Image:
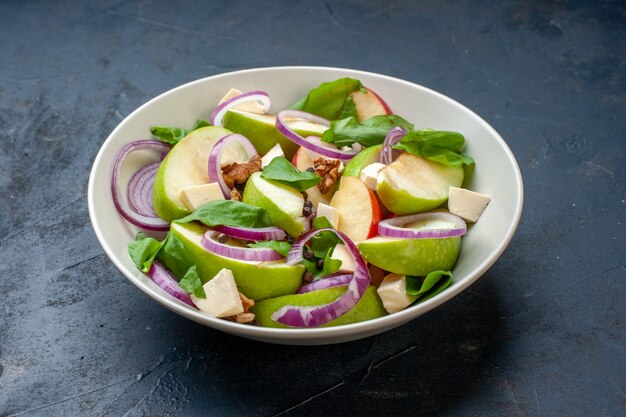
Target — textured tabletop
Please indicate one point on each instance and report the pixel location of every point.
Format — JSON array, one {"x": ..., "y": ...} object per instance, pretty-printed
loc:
[{"x": 542, "y": 333}]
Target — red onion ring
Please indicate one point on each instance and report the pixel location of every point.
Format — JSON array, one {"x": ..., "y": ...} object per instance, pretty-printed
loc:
[
  {"x": 140, "y": 190},
  {"x": 260, "y": 96},
  {"x": 140, "y": 220},
  {"x": 161, "y": 277},
  {"x": 247, "y": 233},
  {"x": 324, "y": 283},
  {"x": 312, "y": 143},
  {"x": 315, "y": 316},
  {"x": 395, "y": 227},
  {"x": 209, "y": 242},
  {"x": 393, "y": 137},
  {"x": 215, "y": 157}
]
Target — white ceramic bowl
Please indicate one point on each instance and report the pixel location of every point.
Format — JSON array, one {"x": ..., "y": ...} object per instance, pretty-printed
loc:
[{"x": 497, "y": 174}]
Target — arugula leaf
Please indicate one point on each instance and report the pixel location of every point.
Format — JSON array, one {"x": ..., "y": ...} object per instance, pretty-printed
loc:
[
  {"x": 229, "y": 213},
  {"x": 173, "y": 135},
  {"x": 321, "y": 223},
  {"x": 281, "y": 170},
  {"x": 432, "y": 285},
  {"x": 174, "y": 256},
  {"x": 279, "y": 246},
  {"x": 322, "y": 242},
  {"x": 143, "y": 251},
  {"x": 436, "y": 145},
  {"x": 348, "y": 109},
  {"x": 369, "y": 132},
  {"x": 192, "y": 283},
  {"x": 329, "y": 100},
  {"x": 330, "y": 265}
]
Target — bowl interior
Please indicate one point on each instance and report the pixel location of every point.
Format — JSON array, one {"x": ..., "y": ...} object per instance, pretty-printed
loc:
[{"x": 496, "y": 174}]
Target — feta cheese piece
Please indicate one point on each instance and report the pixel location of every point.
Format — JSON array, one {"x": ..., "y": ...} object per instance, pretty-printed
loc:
[
  {"x": 392, "y": 292},
  {"x": 331, "y": 213},
  {"x": 275, "y": 152},
  {"x": 197, "y": 195},
  {"x": 250, "y": 106},
  {"x": 222, "y": 297},
  {"x": 341, "y": 252},
  {"x": 369, "y": 174},
  {"x": 467, "y": 204}
]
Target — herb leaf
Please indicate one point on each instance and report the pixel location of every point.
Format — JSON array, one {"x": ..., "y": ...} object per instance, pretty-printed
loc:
[
  {"x": 173, "y": 135},
  {"x": 279, "y": 246},
  {"x": 192, "y": 283},
  {"x": 329, "y": 100},
  {"x": 322, "y": 242},
  {"x": 321, "y": 222},
  {"x": 330, "y": 265},
  {"x": 143, "y": 251},
  {"x": 436, "y": 145},
  {"x": 281, "y": 170},
  {"x": 229, "y": 213},
  {"x": 433, "y": 284},
  {"x": 174, "y": 256},
  {"x": 369, "y": 132}
]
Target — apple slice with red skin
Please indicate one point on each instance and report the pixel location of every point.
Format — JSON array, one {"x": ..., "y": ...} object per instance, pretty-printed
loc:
[
  {"x": 303, "y": 159},
  {"x": 369, "y": 104},
  {"x": 359, "y": 211}
]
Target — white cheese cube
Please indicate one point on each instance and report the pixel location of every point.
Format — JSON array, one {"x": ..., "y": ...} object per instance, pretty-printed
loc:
[
  {"x": 341, "y": 252},
  {"x": 222, "y": 297},
  {"x": 331, "y": 213},
  {"x": 275, "y": 152},
  {"x": 467, "y": 204},
  {"x": 392, "y": 292},
  {"x": 250, "y": 106},
  {"x": 197, "y": 195},
  {"x": 369, "y": 174}
]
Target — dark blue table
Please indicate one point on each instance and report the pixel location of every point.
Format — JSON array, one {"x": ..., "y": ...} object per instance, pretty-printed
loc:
[{"x": 543, "y": 333}]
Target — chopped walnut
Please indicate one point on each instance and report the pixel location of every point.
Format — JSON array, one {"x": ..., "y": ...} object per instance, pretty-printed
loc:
[
  {"x": 246, "y": 316},
  {"x": 328, "y": 169},
  {"x": 239, "y": 173},
  {"x": 246, "y": 302},
  {"x": 235, "y": 194}
]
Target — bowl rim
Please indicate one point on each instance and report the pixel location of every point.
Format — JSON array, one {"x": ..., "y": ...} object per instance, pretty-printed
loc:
[{"x": 386, "y": 322}]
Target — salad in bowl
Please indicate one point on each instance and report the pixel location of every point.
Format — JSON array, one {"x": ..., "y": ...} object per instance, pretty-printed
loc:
[
  {"x": 303, "y": 205},
  {"x": 330, "y": 211}
]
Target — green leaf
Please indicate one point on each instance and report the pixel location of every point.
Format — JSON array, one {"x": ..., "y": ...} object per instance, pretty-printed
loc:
[
  {"x": 192, "y": 283},
  {"x": 173, "y": 135},
  {"x": 143, "y": 251},
  {"x": 439, "y": 146},
  {"x": 310, "y": 266},
  {"x": 279, "y": 246},
  {"x": 322, "y": 223},
  {"x": 328, "y": 100},
  {"x": 229, "y": 213},
  {"x": 281, "y": 170},
  {"x": 330, "y": 265},
  {"x": 349, "y": 109},
  {"x": 174, "y": 256},
  {"x": 433, "y": 284},
  {"x": 368, "y": 133}
]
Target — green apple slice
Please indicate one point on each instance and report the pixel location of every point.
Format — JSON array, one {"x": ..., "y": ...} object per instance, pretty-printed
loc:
[
  {"x": 364, "y": 158},
  {"x": 283, "y": 203},
  {"x": 261, "y": 130},
  {"x": 411, "y": 256},
  {"x": 369, "y": 306},
  {"x": 412, "y": 184},
  {"x": 256, "y": 280},
  {"x": 185, "y": 165}
]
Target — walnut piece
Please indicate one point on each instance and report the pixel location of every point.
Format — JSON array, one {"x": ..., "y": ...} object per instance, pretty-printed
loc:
[
  {"x": 235, "y": 194},
  {"x": 246, "y": 316},
  {"x": 239, "y": 173},
  {"x": 328, "y": 169}
]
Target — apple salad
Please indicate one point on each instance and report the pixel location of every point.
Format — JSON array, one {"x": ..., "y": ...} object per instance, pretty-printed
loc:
[{"x": 330, "y": 212}]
